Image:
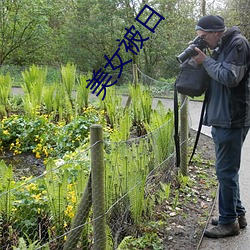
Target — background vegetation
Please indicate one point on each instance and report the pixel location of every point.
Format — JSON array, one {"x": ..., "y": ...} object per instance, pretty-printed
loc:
[{"x": 49, "y": 32}]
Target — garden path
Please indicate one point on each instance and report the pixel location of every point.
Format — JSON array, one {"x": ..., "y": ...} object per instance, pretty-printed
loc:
[{"x": 241, "y": 242}]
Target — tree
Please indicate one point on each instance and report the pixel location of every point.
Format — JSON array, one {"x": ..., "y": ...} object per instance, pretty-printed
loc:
[
  {"x": 236, "y": 13},
  {"x": 21, "y": 21}
]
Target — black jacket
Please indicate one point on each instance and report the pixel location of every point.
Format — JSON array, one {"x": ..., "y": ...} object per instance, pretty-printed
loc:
[{"x": 229, "y": 90}]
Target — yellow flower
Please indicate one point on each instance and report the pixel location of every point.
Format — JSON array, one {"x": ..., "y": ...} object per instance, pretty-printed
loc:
[
  {"x": 73, "y": 199},
  {"x": 14, "y": 209},
  {"x": 31, "y": 187},
  {"x": 37, "y": 196},
  {"x": 6, "y": 132},
  {"x": 69, "y": 211},
  {"x": 38, "y": 155}
]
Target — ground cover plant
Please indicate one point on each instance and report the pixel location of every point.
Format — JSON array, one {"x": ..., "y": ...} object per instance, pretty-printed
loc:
[{"x": 143, "y": 189}]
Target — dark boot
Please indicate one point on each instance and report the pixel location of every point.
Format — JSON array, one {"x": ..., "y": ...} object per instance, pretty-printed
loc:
[
  {"x": 221, "y": 231},
  {"x": 241, "y": 219}
]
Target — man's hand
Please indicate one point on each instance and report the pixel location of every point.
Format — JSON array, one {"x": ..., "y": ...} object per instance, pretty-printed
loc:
[{"x": 200, "y": 58}]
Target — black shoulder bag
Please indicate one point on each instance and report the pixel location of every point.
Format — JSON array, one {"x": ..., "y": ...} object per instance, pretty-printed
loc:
[{"x": 191, "y": 81}]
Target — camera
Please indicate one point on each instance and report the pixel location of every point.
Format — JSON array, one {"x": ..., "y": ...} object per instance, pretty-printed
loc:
[{"x": 190, "y": 51}]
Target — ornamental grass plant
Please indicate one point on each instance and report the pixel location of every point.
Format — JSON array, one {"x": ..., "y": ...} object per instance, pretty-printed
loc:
[{"x": 54, "y": 126}]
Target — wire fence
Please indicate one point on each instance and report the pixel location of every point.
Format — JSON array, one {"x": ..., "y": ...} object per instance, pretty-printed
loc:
[
  {"x": 55, "y": 210},
  {"x": 42, "y": 209}
]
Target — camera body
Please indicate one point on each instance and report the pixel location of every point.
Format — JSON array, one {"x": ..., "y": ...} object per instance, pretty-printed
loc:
[{"x": 190, "y": 51}]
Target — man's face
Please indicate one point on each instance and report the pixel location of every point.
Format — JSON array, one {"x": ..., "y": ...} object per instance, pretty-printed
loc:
[{"x": 211, "y": 38}]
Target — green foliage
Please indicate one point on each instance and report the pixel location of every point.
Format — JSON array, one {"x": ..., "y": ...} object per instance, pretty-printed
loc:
[
  {"x": 6, "y": 184},
  {"x": 48, "y": 98},
  {"x": 126, "y": 172},
  {"x": 112, "y": 106},
  {"x": 147, "y": 241},
  {"x": 68, "y": 73},
  {"x": 5, "y": 90},
  {"x": 128, "y": 161},
  {"x": 141, "y": 104},
  {"x": 43, "y": 137},
  {"x": 57, "y": 188},
  {"x": 23, "y": 25},
  {"x": 30, "y": 206},
  {"x": 29, "y": 245},
  {"x": 82, "y": 98},
  {"x": 33, "y": 85},
  {"x": 164, "y": 191},
  {"x": 161, "y": 126}
]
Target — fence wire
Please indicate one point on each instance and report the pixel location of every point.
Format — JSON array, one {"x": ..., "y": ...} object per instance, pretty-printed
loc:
[{"x": 44, "y": 210}]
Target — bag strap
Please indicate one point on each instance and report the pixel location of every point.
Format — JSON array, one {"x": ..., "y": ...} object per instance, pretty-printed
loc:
[
  {"x": 199, "y": 127},
  {"x": 176, "y": 126}
]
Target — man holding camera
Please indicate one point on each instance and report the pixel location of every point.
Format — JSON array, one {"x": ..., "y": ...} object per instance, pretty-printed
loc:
[{"x": 228, "y": 112}]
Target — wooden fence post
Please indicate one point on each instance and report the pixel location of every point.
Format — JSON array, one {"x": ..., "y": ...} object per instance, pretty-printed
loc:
[
  {"x": 135, "y": 74},
  {"x": 98, "y": 195},
  {"x": 184, "y": 135}
]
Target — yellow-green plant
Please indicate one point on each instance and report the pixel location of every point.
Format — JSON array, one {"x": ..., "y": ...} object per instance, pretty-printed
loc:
[
  {"x": 62, "y": 106},
  {"x": 126, "y": 171},
  {"x": 141, "y": 103},
  {"x": 164, "y": 191},
  {"x": 48, "y": 97},
  {"x": 33, "y": 85},
  {"x": 68, "y": 74},
  {"x": 82, "y": 93},
  {"x": 112, "y": 106},
  {"x": 121, "y": 131},
  {"x": 5, "y": 89},
  {"x": 56, "y": 184},
  {"x": 6, "y": 184},
  {"x": 161, "y": 129}
]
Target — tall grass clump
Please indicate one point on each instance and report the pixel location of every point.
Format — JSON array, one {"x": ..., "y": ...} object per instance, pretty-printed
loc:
[
  {"x": 5, "y": 90},
  {"x": 141, "y": 106},
  {"x": 68, "y": 74},
  {"x": 82, "y": 93},
  {"x": 161, "y": 130},
  {"x": 34, "y": 80}
]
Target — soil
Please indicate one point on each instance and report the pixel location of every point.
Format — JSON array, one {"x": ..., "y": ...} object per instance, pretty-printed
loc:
[
  {"x": 186, "y": 223},
  {"x": 25, "y": 164}
]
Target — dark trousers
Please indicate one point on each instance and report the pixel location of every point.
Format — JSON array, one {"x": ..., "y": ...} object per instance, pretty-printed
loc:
[{"x": 228, "y": 145}]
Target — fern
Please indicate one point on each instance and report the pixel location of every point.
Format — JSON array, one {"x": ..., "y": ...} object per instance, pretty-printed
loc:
[
  {"x": 6, "y": 184},
  {"x": 68, "y": 74},
  {"x": 56, "y": 184}
]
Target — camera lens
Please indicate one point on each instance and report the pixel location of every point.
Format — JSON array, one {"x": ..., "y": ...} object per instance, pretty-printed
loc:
[{"x": 187, "y": 53}]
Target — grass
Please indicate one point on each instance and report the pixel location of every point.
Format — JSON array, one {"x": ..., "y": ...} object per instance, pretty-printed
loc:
[{"x": 15, "y": 71}]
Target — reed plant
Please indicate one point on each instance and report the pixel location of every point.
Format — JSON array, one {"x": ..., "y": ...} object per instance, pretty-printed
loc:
[
  {"x": 34, "y": 80},
  {"x": 161, "y": 130},
  {"x": 126, "y": 172},
  {"x": 48, "y": 98},
  {"x": 68, "y": 74},
  {"x": 141, "y": 99},
  {"x": 56, "y": 184},
  {"x": 62, "y": 106},
  {"x": 5, "y": 90},
  {"x": 112, "y": 105},
  {"x": 82, "y": 93},
  {"x": 6, "y": 184}
]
